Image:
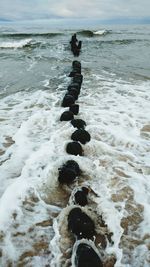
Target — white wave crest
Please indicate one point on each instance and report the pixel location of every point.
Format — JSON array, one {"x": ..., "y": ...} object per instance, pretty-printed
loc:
[
  {"x": 15, "y": 44},
  {"x": 101, "y": 32}
]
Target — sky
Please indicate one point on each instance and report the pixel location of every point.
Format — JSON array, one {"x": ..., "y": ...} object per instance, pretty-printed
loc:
[{"x": 76, "y": 9}]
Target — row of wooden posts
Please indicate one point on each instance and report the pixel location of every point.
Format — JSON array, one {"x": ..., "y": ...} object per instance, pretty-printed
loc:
[{"x": 79, "y": 223}]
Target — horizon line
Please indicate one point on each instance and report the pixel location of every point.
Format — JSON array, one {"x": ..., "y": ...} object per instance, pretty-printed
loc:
[{"x": 144, "y": 20}]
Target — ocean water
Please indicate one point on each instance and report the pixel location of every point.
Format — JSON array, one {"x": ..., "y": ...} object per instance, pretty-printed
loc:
[{"x": 115, "y": 103}]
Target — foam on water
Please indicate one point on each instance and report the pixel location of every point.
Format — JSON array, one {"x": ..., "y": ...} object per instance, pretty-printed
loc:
[
  {"x": 101, "y": 32},
  {"x": 15, "y": 44},
  {"x": 114, "y": 166}
]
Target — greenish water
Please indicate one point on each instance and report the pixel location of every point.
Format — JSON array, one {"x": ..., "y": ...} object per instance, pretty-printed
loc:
[{"x": 28, "y": 51}]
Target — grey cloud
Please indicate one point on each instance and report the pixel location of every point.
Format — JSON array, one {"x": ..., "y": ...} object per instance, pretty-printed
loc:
[
  {"x": 100, "y": 9},
  {"x": 103, "y": 9}
]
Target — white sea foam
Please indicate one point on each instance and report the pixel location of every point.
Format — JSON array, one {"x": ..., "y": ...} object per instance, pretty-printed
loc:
[
  {"x": 101, "y": 32},
  {"x": 15, "y": 44}
]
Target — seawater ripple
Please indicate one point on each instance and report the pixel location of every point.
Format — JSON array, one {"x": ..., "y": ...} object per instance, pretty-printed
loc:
[{"x": 28, "y": 35}]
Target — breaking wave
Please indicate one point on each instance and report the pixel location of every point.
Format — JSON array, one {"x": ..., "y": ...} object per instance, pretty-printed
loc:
[
  {"x": 15, "y": 44},
  {"x": 101, "y": 32},
  {"x": 89, "y": 33},
  {"x": 25, "y": 43}
]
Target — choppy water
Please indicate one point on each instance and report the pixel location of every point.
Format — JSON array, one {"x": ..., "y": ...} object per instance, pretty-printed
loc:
[{"x": 114, "y": 102}]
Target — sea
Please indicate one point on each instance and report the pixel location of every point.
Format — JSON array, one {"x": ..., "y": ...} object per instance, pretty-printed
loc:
[{"x": 35, "y": 62}]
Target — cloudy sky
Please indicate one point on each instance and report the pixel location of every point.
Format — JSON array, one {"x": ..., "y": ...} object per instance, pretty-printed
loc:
[{"x": 98, "y": 9}]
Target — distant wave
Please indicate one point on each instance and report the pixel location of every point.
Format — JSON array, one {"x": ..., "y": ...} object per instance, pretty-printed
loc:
[
  {"x": 122, "y": 41},
  {"x": 89, "y": 33},
  {"x": 15, "y": 44},
  {"x": 101, "y": 32},
  {"x": 29, "y": 35},
  {"x": 86, "y": 33}
]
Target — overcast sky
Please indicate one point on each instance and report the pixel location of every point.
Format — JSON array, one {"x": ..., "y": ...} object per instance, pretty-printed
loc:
[{"x": 98, "y": 9}]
